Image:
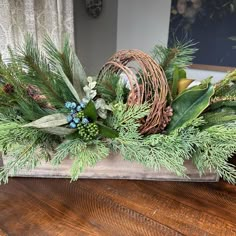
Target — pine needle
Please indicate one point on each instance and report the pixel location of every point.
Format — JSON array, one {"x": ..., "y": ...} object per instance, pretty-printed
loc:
[{"x": 180, "y": 55}]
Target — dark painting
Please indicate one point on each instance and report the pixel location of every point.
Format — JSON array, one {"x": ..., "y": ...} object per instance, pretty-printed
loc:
[{"x": 211, "y": 24}]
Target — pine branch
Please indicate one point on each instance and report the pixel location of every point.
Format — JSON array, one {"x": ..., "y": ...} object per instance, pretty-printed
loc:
[
  {"x": 39, "y": 71},
  {"x": 63, "y": 57},
  {"x": 178, "y": 56},
  {"x": 69, "y": 63}
]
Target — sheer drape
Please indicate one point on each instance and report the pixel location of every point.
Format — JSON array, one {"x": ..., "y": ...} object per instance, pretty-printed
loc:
[{"x": 38, "y": 17}]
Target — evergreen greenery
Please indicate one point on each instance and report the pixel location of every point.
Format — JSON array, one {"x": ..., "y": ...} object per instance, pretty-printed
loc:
[
  {"x": 37, "y": 84},
  {"x": 25, "y": 147},
  {"x": 178, "y": 56},
  {"x": 214, "y": 147},
  {"x": 83, "y": 154}
]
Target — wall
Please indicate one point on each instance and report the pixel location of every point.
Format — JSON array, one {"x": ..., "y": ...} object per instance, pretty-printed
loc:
[
  {"x": 142, "y": 24},
  {"x": 95, "y": 39}
]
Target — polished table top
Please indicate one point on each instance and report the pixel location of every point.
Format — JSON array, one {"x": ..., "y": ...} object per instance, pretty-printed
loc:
[{"x": 30, "y": 206}]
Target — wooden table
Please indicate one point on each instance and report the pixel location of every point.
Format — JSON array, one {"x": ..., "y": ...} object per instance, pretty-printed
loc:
[{"x": 116, "y": 207}]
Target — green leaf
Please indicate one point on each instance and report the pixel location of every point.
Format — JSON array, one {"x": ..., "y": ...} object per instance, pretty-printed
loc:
[
  {"x": 175, "y": 83},
  {"x": 190, "y": 104},
  {"x": 177, "y": 75},
  {"x": 48, "y": 121},
  {"x": 107, "y": 132},
  {"x": 68, "y": 83},
  {"x": 90, "y": 111},
  {"x": 182, "y": 74}
]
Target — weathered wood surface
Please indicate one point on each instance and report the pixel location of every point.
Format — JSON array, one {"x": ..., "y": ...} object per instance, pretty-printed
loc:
[
  {"x": 115, "y": 167},
  {"x": 49, "y": 207}
]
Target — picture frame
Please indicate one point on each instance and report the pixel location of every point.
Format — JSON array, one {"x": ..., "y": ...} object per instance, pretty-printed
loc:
[{"x": 209, "y": 25}]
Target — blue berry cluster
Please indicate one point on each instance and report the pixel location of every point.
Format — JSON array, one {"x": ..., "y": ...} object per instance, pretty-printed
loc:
[
  {"x": 77, "y": 120},
  {"x": 76, "y": 114}
]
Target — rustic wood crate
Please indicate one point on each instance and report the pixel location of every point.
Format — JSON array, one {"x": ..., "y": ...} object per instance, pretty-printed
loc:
[{"x": 115, "y": 167}]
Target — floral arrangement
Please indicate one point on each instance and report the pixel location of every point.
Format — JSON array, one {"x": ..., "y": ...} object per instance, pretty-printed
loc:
[{"x": 143, "y": 107}]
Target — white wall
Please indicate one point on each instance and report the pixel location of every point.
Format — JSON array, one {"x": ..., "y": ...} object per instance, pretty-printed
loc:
[
  {"x": 143, "y": 23},
  {"x": 95, "y": 39}
]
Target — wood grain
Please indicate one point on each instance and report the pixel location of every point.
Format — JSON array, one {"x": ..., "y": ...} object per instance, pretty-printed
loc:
[
  {"x": 115, "y": 167},
  {"x": 41, "y": 207}
]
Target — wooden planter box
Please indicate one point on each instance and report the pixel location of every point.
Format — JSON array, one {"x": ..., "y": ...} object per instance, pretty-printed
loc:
[{"x": 114, "y": 167}]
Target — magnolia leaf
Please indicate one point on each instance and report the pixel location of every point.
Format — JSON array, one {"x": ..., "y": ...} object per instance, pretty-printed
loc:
[
  {"x": 49, "y": 121},
  {"x": 174, "y": 86},
  {"x": 177, "y": 75},
  {"x": 190, "y": 104},
  {"x": 107, "y": 132},
  {"x": 68, "y": 83},
  {"x": 90, "y": 111},
  {"x": 60, "y": 131},
  {"x": 182, "y": 74}
]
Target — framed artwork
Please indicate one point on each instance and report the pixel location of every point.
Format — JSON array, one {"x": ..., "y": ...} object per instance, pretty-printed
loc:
[{"x": 211, "y": 24}]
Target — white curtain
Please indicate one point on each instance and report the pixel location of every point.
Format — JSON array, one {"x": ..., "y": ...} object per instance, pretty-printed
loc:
[{"x": 38, "y": 17}]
